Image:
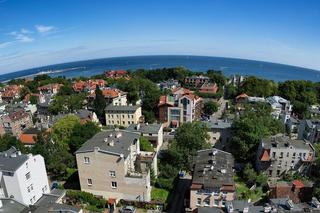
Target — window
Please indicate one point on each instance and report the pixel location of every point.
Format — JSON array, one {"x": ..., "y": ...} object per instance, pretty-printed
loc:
[
  {"x": 86, "y": 160},
  {"x": 270, "y": 172},
  {"x": 28, "y": 188},
  {"x": 273, "y": 154},
  {"x": 31, "y": 200},
  {"x": 278, "y": 172},
  {"x": 281, "y": 154},
  {"x": 31, "y": 187},
  {"x": 112, "y": 173},
  {"x": 27, "y": 165},
  {"x": 89, "y": 182},
  {"x": 287, "y": 154},
  {"x": 294, "y": 155},
  {"x": 28, "y": 176},
  {"x": 216, "y": 202},
  {"x": 206, "y": 202},
  {"x": 113, "y": 184},
  {"x": 198, "y": 201}
]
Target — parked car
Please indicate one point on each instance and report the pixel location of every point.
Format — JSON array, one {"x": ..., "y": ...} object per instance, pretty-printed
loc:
[
  {"x": 128, "y": 209},
  {"x": 54, "y": 185}
]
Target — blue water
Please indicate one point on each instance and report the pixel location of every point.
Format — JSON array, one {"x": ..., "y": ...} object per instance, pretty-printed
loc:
[{"x": 276, "y": 72}]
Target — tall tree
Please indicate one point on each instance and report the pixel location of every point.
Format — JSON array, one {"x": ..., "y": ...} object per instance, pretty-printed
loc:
[
  {"x": 189, "y": 138},
  {"x": 99, "y": 104}
]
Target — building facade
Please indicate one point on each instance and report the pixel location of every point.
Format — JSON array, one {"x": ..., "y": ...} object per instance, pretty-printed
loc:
[
  {"x": 182, "y": 106},
  {"x": 279, "y": 154},
  {"x": 309, "y": 129},
  {"x": 16, "y": 122},
  {"x": 123, "y": 115},
  {"x": 23, "y": 176},
  {"x": 196, "y": 81},
  {"x": 107, "y": 165}
]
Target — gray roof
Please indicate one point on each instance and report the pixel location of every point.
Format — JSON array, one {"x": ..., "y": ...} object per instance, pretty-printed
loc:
[
  {"x": 83, "y": 113},
  {"x": 239, "y": 205},
  {"x": 218, "y": 124},
  {"x": 281, "y": 141},
  {"x": 10, "y": 205},
  {"x": 209, "y": 210},
  {"x": 132, "y": 108},
  {"x": 48, "y": 202},
  {"x": 213, "y": 169},
  {"x": 11, "y": 159},
  {"x": 145, "y": 128},
  {"x": 121, "y": 144}
]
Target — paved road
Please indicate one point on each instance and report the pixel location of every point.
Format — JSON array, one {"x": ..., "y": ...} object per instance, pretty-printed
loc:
[
  {"x": 222, "y": 102},
  {"x": 176, "y": 201}
]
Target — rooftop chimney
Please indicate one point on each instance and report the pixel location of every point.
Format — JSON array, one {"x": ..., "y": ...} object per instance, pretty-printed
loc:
[
  {"x": 315, "y": 202},
  {"x": 289, "y": 204},
  {"x": 246, "y": 209}
]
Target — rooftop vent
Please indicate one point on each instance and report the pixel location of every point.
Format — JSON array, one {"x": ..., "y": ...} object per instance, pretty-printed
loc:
[
  {"x": 223, "y": 171},
  {"x": 105, "y": 140},
  {"x": 289, "y": 204},
  {"x": 214, "y": 152},
  {"x": 13, "y": 155},
  {"x": 267, "y": 209},
  {"x": 111, "y": 143},
  {"x": 246, "y": 209},
  {"x": 118, "y": 135},
  {"x": 230, "y": 207},
  {"x": 137, "y": 127},
  {"x": 110, "y": 135}
]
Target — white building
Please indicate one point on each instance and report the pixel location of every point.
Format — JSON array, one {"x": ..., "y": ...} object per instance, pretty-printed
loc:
[
  {"x": 281, "y": 108},
  {"x": 23, "y": 176}
]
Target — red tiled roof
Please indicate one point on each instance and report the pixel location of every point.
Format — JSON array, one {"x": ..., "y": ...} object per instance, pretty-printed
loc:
[
  {"x": 298, "y": 183},
  {"x": 27, "y": 138},
  {"x": 265, "y": 156},
  {"x": 17, "y": 115},
  {"x": 196, "y": 186},
  {"x": 243, "y": 95},
  {"x": 50, "y": 86}
]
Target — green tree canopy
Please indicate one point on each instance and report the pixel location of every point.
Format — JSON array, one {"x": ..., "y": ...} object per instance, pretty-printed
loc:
[
  {"x": 145, "y": 144},
  {"x": 255, "y": 123},
  {"x": 99, "y": 104},
  {"x": 63, "y": 130},
  {"x": 210, "y": 107},
  {"x": 189, "y": 138}
]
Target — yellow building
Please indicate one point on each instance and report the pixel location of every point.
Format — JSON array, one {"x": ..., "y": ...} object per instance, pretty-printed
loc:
[{"x": 123, "y": 115}]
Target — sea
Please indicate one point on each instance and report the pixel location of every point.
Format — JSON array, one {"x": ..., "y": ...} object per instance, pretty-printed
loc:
[{"x": 229, "y": 66}]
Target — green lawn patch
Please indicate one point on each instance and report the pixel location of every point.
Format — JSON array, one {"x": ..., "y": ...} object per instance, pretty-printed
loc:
[{"x": 159, "y": 194}]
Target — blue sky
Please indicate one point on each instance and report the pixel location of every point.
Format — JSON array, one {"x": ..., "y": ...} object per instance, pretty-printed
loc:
[{"x": 36, "y": 33}]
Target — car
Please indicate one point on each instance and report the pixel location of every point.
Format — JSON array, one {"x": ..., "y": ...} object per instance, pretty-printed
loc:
[
  {"x": 54, "y": 185},
  {"x": 128, "y": 209}
]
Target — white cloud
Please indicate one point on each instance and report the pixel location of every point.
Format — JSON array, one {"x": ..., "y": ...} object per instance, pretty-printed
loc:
[
  {"x": 6, "y": 44},
  {"x": 25, "y": 31},
  {"x": 24, "y": 38},
  {"x": 42, "y": 29}
]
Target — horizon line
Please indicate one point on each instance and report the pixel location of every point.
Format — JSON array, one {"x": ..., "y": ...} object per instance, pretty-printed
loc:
[{"x": 155, "y": 55}]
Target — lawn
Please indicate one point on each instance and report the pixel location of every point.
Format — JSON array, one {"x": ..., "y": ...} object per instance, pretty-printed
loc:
[
  {"x": 159, "y": 194},
  {"x": 243, "y": 192}
]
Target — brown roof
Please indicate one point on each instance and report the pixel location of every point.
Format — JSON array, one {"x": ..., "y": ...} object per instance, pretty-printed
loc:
[
  {"x": 50, "y": 86},
  {"x": 27, "y": 138},
  {"x": 109, "y": 93},
  {"x": 265, "y": 156},
  {"x": 242, "y": 95},
  {"x": 17, "y": 115},
  {"x": 196, "y": 186},
  {"x": 298, "y": 183}
]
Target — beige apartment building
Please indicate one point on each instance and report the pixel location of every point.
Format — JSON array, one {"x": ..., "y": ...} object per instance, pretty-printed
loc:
[
  {"x": 109, "y": 165},
  {"x": 123, "y": 115}
]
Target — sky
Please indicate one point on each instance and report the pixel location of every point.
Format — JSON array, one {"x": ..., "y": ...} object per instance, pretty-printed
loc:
[{"x": 35, "y": 33}]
